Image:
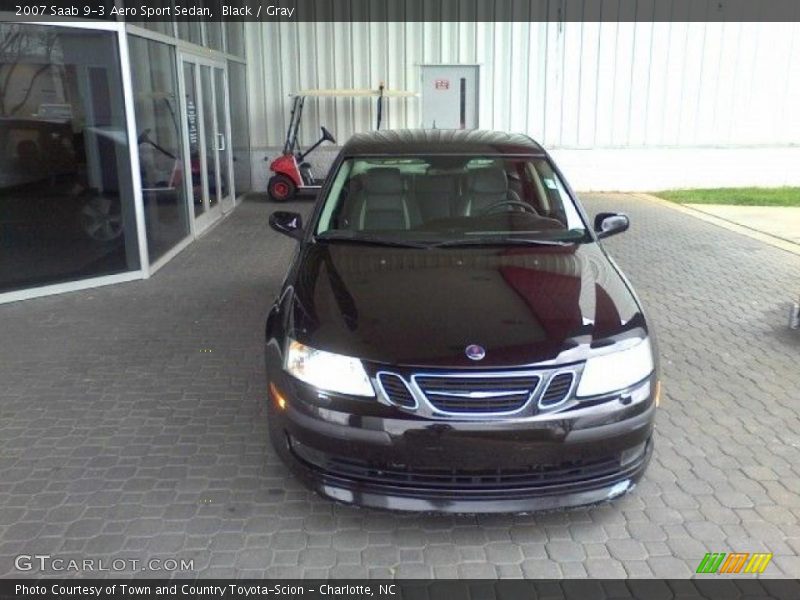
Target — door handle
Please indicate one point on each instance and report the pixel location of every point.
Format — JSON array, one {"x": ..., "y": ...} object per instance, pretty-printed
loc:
[{"x": 220, "y": 142}]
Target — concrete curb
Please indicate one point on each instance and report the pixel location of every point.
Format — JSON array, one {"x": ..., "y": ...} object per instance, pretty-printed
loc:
[{"x": 725, "y": 224}]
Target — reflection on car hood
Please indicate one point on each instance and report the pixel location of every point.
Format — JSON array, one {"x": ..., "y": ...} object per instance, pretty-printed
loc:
[{"x": 423, "y": 307}]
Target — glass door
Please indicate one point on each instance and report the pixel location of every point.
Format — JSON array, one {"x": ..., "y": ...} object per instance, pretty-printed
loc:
[
  {"x": 205, "y": 106},
  {"x": 225, "y": 162},
  {"x": 195, "y": 147}
]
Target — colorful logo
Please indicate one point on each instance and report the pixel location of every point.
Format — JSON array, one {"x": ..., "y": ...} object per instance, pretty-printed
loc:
[{"x": 735, "y": 562}]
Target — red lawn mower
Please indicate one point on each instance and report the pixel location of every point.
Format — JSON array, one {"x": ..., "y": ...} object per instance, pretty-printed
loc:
[{"x": 292, "y": 174}]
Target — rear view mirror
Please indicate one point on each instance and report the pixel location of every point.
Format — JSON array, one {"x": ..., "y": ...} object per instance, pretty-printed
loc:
[
  {"x": 607, "y": 224},
  {"x": 287, "y": 223}
]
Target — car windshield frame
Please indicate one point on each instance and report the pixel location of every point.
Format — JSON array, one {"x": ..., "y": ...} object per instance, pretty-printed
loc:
[{"x": 578, "y": 231}]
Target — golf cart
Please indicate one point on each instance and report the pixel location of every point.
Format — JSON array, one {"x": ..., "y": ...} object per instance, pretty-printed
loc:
[{"x": 292, "y": 174}]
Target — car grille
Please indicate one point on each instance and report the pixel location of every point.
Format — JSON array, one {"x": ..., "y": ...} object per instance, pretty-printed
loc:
[
  {"x": 557, "y": 390},
  {"x": 376, "y": 473},
  {"x": 396, "y": 390},
  {"x": 477, "y": 395}
]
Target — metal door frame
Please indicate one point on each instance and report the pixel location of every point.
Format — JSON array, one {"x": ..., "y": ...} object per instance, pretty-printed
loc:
[
  {"x": 228, "y": 202},
  {"x": 200, "y": 223}
]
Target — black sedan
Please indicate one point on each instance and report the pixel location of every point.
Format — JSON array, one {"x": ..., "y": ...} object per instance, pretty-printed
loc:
[{"x": 452, "y": 336}]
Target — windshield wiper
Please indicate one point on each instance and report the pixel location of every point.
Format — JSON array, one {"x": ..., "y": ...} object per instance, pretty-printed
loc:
[
  {"x": 500, "y": 241},
  {"x": 356, "y": 238}
]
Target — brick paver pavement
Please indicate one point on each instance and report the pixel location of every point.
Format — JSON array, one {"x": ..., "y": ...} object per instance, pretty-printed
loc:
[{"x": 132, "y": 425}]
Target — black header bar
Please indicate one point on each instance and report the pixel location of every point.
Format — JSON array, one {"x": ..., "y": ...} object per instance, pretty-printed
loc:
[{"x": 404, "y": 10}]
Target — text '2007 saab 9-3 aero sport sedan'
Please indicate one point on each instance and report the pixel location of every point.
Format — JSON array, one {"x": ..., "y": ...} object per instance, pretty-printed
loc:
[{"x": 452, "y": 336}]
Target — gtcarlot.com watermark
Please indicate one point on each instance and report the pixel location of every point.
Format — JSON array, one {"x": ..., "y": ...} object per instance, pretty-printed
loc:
[{"x": 47, "y": 562}]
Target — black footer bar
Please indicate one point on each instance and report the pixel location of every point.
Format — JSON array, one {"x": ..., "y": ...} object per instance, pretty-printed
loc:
[{"x": 709, "y": 588}]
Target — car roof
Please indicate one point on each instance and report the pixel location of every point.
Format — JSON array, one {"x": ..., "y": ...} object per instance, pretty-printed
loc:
[{"x": 419, "y": 142}]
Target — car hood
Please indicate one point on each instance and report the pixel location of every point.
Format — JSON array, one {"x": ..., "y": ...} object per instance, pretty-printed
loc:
[{"x": 424, "y": 307}]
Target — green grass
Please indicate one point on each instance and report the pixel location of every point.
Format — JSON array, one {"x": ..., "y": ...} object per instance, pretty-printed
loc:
[{"x": 752, "y": 196}]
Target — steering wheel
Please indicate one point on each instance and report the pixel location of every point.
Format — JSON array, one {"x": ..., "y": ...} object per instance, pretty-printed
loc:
[{"x": 523, "y": 205}]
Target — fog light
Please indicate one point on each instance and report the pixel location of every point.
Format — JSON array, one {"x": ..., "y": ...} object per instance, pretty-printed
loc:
[
  {"x": 632, "y": 454},
  {"x": 277, "y": 396},
  {"x": 308, "y": 454}
]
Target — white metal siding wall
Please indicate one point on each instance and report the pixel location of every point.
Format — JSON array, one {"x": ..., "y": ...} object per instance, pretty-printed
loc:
[
  {"x": 634, "y": 93},
  {"x": 571, "y": 85}
]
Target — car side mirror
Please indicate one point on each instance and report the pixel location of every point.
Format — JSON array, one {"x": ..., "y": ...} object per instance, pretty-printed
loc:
[
  {"x": 287, "y": 223},
  {"x": 607, "y": 224}
]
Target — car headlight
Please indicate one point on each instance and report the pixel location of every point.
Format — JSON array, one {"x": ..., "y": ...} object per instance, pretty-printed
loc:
[
  {"x": 326, "y": 370},
  {"x": 617, "y": 370}
]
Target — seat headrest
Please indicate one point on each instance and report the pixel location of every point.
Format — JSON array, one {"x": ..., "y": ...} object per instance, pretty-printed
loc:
[
  {"x": 383, "y": 180},
  {"x": 490, "y": 180},
  {"x": 436, "y": 183}
]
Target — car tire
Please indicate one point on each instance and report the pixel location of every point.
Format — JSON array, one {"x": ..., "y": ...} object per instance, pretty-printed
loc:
[{"x": 281, "y": 188}]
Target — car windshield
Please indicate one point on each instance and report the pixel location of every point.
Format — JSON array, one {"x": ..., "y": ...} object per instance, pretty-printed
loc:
[{"x": 448, "y": 201}]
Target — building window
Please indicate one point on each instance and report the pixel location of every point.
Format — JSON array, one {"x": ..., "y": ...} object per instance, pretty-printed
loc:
[
  {"x": 191, "y": 31},
  {"x": 240, "y": 131},
  {"x": 160, "y": 26},
  {"x": 165, "y": 27},
  {"x": 66, "y": 201},
  {"x": 234, "y": 37},
  {"x": 157, "y": 109},
  {"x": 214, "y": 35}
]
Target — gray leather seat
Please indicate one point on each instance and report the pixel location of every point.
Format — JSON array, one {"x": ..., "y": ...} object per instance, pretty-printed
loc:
[
  {"x": 485, "y": 187},
  {"x": 436, "y": 195},
  {"x": 383, "y": 202}
]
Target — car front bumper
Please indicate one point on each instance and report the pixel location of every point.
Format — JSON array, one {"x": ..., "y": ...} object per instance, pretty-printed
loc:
[{"x": 358, "y": 451}]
